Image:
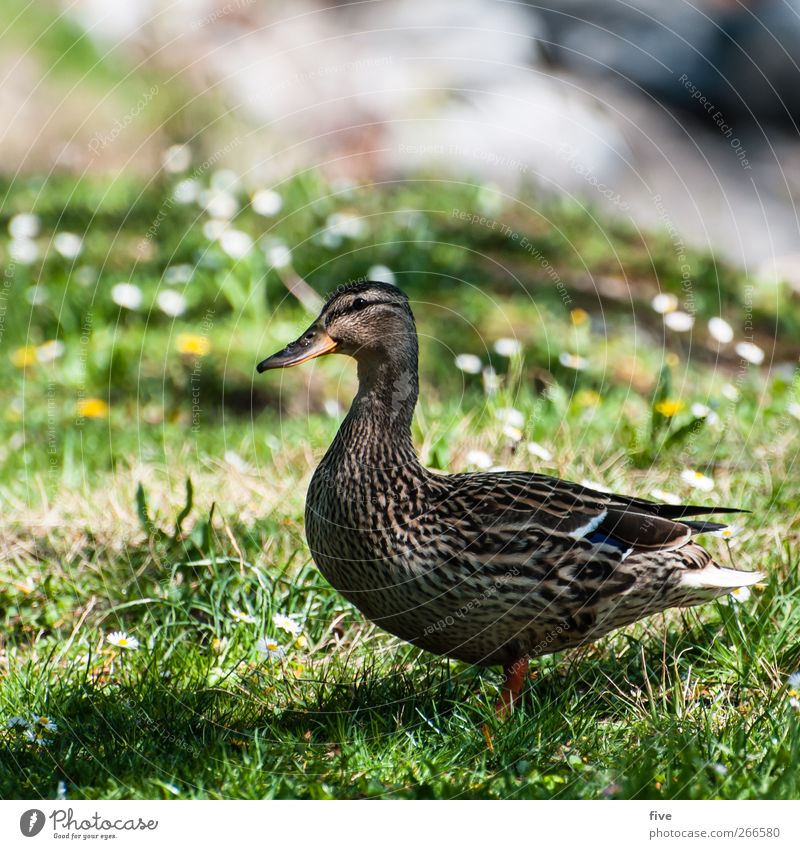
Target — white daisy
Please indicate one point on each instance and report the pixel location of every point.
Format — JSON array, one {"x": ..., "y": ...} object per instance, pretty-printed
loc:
[
  {"x": 730, "y": 392},
  {"x": 751, "y": 352},
  {"x": 267, "y": 202},
  {"x": 381, "y": 274},
  {"x": 278, "y": 255},
  {"x": 491, "y": 380},
  {"x": 664, "y": 302},
  {"x": 181, "y": 273},
  {"x": 214, "y": 228},
  {"x": 740, "y": 594},
  {"x": 727, "y": 533},
  {"x": 346, "y": 224},
  {"x": 697, "y": 479},
  {"x": 271, "y": 648},
  {"x": 127, "y": 295},
  {"x": 24, "y": 251},
  {"x": 479, "y": 458},
  {"x": 793, "y": 681},
  {"x": 510, "y": 416},
  {"x": 16, "y": 722},
  {"x": 24, "y": 225},
  {"x": 595, "y": 485},
  {"x": 187, "y": 191},
  {"x": 219, "y": 204},
  {"x": 665, "y": 497},
  {"x": 513, "y": 433},
  {"x": 702, "y": 411},
  {"x": 235, "y": 243},
  {"x": 679, "y": 321},
  {"x": 122, "y": 640},
  {"x": 239, "y": 616},
  {"x": 507, "y": 347},
  {"x": 37, "y": 737},
  {"x": 68, "y": 245},
  {"x": 50, "y": 351},
  {"x": 720, "y": 330},
  {"x": 286, "y": 623},
  {"x": 224, "y": 180},
  {"x": 573, "y": 361},
  {"x": 44, "y": 722},
  {"x": 469, "y": 363},
  {"x": 236, "y": 461},
  {"x": 793, "y": 409},
  {"x": 177, "y": 158},
  {"x": 536, "y": 450},
  {"x": 172, "y": 303}
]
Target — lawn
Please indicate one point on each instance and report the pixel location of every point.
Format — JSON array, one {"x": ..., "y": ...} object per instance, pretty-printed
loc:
[{"x": 151, "y": 483}]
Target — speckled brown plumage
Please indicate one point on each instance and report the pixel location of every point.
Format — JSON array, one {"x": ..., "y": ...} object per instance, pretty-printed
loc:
[{"x": 488, "y": 568}]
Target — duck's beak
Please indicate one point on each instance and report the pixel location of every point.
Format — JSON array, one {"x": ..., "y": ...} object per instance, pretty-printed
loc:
[{"x": 313, "y": 343}]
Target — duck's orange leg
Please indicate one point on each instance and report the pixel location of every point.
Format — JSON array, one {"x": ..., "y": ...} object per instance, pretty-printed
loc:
[{"x": 515, "y": 675}]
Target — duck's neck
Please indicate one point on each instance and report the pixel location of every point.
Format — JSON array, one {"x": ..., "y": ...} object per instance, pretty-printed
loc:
[{"x": 376, "y": 434}]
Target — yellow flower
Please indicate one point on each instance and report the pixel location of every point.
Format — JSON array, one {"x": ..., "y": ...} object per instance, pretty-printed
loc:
[
  {"x": 92, "y": 408},
  {"x": 668, "y": 409},
  {"x": 579, "y": 317},
  {"x": 24, "y": 357},
  {"x": 194, "y": 344},
  {"x": 587, "y": 398}
]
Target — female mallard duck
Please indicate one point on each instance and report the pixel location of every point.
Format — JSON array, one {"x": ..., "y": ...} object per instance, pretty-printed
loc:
[{"x": 488, "y": 568}]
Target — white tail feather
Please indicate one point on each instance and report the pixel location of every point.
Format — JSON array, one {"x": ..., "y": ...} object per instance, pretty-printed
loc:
[{"x": 715, "y": 577}]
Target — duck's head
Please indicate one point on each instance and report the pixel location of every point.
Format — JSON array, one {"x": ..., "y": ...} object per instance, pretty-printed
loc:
[{"x": 368, "y": 321}]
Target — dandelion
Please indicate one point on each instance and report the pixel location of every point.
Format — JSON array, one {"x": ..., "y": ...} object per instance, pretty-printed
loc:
[
  {"x": 175, "y": 274},
  {"x": 24, "y": 225},
  {"x": 679, "y": 321},
  {"x": 539, "y": 451},
  {"x": 68, "y": 245},
  {"x": 266, "y": 202},
  {"x": 727, "y": 533},
  {"x": 381, "y": 274},
  {"x": 720, "y": 330},
  {"x": 240, "y": 617},
  {"x": 740, "y": 595},
  {"x": 271, "y": 648},
  {"x": 127, "y": 295},
  {"x": 122, "y": 640},
  {"x": 278, "y": 255},
  {"x": 697, "y": 479},
  {"x": 573, "y": 361},
  {"x": 286, "y": 623},
  {"x": 235, "y": 243},
  {"x": 24, "y": 251},
  {"x": 579, "y": 317},
  {"x": 510, "y": 416},
  {"x": 669, "y": 408},
  {"x": 92, "y": 408},
  {"x": 469, "y": 363},
  {"x": 16, "y": 722},
  {"x": 171, "y": 303},
  {"x": 187, "y": 191},
  {"x": 664, "y": 302},
  {"x": 506, "y": 347},
  {"x": 50, "y": 351},
  {"x": 37, "y": 737},
  {"x": 177, "y": 158},
  {"x": 24, "y": 357},
  {"x": 665, "y": 497},
  {"x": 44, "y": 722},
  {"x": 479, "y": 458},
  {"x": 751, "y": 352},
  {"x": 193, "y": 344}
]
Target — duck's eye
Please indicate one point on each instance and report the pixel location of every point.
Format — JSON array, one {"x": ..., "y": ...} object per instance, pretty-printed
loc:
[{"x": 359, "y": 304}]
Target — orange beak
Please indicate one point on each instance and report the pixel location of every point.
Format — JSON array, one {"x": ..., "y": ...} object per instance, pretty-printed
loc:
[{"x": 313, "y": 343}]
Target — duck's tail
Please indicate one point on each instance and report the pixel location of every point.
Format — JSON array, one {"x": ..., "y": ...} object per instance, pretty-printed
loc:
[{"x": 716, "y": 580}]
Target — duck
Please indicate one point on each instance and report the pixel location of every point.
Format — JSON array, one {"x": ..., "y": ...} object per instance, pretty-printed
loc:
[{"x": 490, "y": 568}]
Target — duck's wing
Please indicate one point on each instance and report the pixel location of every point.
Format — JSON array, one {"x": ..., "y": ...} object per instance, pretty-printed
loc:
[{"x": 517, "y": 503}]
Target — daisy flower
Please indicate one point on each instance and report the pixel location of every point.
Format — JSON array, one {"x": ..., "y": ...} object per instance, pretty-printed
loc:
[
  {"x": 665, "y": 497},
  {"x": 540, "y": 452},
  {"x": 278, "y": 255},
  {"x": 16, "y": 722},
  {"x": 68, "y": 245},
  {"x": 171, "y": 303},
  {"x": 271, "y": 648},
  {"x": 750, "y": 352},
  {"x": 238, "y": 616},
  {"x": 794, "y": 409},
  {"x": 727, "y": 533},
  {"x": 479, "y": 458},
  {"x": 679, "y": 321},
  {"x": 24, "y": 225},
  {"x": 508, "y": 347},
  {"x": 44, "y": 722},
  {"x": 235, "y": 243},
  {"x": 664, "y": 303},
  {"x": 176, "y": 158},
  {"x": 513, "y": 433},
  {"x": 491, "y": 380},
  {"x": 510, "y": 416},
  {"x": 286, "y": 623},
  {"x": 121, "y": 640},
  {"x": 740, "y": 594},
  {"x": 381, "y": 274},
  {"x": 469, "y": 363},
  {"x": 127, "y": 295},
  {"x": 720, "y": 330},
  {"x": 792, "y": 682},
  {"x": 37, "y": 737},
  {"x": 697, "y": 479},
  {"x": 573, "y": 361},
  {"x": 267, "y": 202}
]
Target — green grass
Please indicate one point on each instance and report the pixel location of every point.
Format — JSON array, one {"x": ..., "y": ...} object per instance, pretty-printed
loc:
[{"x": 99, "y": 534}]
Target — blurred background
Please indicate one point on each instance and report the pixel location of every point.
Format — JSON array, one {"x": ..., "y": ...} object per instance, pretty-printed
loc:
[{"x": 173, "y": 169}]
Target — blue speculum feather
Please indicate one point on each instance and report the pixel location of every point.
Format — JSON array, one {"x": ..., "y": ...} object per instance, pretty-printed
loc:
[{"x": 602, "y": 538}]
